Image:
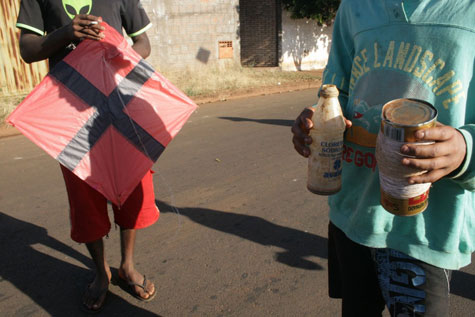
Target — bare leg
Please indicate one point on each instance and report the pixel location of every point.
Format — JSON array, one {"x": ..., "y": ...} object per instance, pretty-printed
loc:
[
  {"x": 97, "y": 290},
  {"x": 127, "y": 270}
]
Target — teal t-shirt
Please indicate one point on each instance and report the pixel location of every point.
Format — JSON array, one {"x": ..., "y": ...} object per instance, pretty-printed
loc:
[{"x": 389, "y": 49}]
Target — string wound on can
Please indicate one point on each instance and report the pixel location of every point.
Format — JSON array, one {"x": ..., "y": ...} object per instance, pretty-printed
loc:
[{"x": 400, "y": 119}]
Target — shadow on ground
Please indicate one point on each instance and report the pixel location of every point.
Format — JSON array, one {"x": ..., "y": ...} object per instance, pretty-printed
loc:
[
  {"x": 54, "y": 284},
  {"x": 296, "y": 244},
  {"x": 283, "y": 122}
]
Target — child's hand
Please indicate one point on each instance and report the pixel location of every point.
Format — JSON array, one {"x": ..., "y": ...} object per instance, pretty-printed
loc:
[
  {"x": 440, "y": 158},
  {"x": 301, "y": 129},
  {"x": 86, "y": 26}
]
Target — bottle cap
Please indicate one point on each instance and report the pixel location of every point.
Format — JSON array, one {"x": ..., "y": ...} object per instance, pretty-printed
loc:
[{"x": 329, "y": 91}]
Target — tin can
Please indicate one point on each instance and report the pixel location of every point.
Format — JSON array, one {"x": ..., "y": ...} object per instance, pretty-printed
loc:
[{"x": 400, "y": 119}]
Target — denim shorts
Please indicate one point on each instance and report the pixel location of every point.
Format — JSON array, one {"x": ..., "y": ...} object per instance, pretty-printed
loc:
[{"x": 368, "y": 279}]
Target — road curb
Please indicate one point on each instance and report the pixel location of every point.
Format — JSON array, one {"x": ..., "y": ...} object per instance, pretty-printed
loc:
[{"x": 261, "y": 91}]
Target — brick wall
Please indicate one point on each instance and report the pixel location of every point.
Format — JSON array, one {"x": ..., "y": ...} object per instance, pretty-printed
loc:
[
  {"x": 259, "y": 29},
  {"x": 186, "y": 33}
]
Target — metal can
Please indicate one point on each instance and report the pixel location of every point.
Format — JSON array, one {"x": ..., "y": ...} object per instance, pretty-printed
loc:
[{"x": 400, "y": 119}]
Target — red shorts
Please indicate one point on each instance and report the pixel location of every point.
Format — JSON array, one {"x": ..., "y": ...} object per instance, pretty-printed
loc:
[{"x": 89, "y": 213}]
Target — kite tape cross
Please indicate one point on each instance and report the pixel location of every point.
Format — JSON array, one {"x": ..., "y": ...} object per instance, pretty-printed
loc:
[{"x": 109, "y": 112}]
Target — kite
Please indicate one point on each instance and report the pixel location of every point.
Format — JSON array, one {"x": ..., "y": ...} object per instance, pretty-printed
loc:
[{"x": 105, "y": 114}]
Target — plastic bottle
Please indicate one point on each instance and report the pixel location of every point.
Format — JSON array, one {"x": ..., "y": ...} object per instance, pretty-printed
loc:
[{"x": 324, "y": 162}]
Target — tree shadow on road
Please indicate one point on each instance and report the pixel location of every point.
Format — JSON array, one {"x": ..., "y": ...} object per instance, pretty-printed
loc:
[
  {"x": 29, "y": 262},
  {"x": 296, "y": 244},
  {"x": 283, "y": 122}
]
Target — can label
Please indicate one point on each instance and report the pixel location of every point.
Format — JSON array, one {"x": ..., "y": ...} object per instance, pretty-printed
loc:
[
  {"x": 402, "y": 117},
  {"x": 405, "y": 207}
]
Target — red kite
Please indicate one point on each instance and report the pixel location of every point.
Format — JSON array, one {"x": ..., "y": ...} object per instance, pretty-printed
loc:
[{"x": 104, "y": 113}]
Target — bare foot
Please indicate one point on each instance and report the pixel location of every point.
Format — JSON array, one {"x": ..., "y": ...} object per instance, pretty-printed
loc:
[
  {"x": 142, "y": 287},
  {"x": 95, "y": 296}
]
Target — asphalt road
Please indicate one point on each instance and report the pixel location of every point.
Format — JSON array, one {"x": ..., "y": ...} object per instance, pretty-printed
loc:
[{"x": 239, "y": 234}]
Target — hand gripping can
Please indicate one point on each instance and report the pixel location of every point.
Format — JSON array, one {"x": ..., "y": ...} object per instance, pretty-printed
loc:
[{"x": 400, "y": 119}]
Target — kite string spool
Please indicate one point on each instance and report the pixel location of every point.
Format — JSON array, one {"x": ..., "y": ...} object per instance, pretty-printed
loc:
[{"x": 392, "y": 174}]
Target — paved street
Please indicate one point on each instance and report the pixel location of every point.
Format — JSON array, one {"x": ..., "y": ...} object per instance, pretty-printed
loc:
[{"x": 239, "y": 234}]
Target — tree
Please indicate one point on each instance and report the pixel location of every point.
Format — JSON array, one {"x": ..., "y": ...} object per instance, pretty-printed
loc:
[{"x": 322, "y": 11}]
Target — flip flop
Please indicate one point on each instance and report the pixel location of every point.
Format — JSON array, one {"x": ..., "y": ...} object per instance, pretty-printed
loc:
[
  {"x": 97, "y": 310},
  {"x": 131, "y": 286}
]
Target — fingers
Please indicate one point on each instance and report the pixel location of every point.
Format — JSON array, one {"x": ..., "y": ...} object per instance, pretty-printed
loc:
[
  {"x": 426, "y": 150},
  {"x": 438, "y": 133},
  {"x": 430, "y": 177},
  {"x": 447, "y": 141},
  {"x": 300, "y": 130},
  {"x": 436, "y": 167},
  {"x": 440, "y": 158},
  {"x": 87, "y": 19},
  {"x": 85, "y": 33},
  {"x": 86, "y": 26},
  {"x": 301, "y": 147},
  {"x": 348, "y": 123}
]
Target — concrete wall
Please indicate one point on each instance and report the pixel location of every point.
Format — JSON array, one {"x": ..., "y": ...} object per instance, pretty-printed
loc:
[
  {"x": 305, "y": 45},
  {"x": 186, "y": 33}
]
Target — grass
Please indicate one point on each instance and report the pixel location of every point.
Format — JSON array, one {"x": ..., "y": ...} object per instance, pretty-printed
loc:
[
  {"x": 211, "y": 80},
  {"x": 7, "y": 105},
  {"x": 207, "y": 82}
]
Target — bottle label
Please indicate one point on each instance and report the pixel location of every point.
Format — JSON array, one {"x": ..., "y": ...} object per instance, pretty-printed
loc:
[
  {"x": 324, "y": 164},
  {"x": 331, "y": 151}
]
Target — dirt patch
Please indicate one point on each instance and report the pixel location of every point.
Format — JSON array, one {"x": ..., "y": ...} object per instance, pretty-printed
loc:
[{"x": 6, "y": 131}]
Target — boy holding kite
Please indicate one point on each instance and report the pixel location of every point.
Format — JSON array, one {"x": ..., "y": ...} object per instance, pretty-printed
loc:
[{"x": 50, "y": 29}]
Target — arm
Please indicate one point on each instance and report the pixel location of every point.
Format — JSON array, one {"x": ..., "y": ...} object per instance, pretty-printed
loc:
[
  {"x": 34, "y": 47},
  {"x": 141, "y": 45},
  {"x": 135, "y": 23}
]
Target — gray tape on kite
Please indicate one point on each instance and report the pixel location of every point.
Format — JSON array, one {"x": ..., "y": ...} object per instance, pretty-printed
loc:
[{"x": 109, "y": 112}]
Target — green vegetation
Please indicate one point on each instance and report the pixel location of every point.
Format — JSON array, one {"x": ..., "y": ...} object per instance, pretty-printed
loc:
[{"x": 322, "y": 11}]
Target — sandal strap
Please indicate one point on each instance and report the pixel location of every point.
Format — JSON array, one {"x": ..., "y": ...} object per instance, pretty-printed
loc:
[{"x": 142, "y": 286}]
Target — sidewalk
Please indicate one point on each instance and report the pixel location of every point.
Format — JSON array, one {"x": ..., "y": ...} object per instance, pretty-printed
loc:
[{"x": 7, "y": 130}]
